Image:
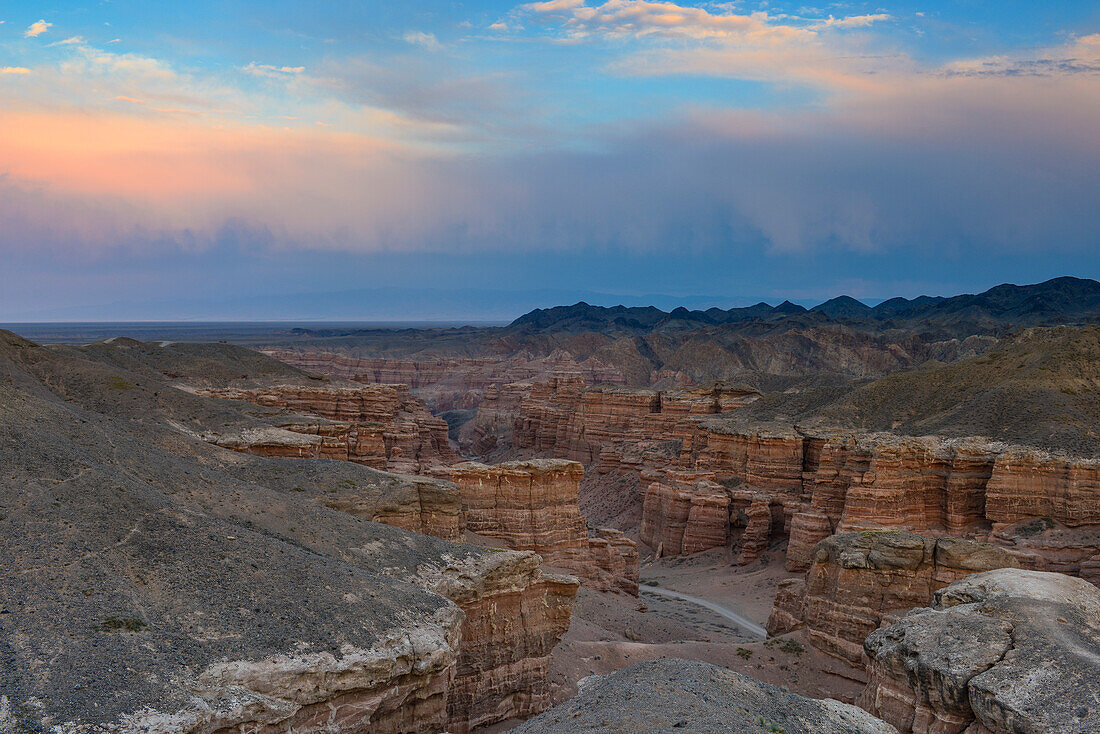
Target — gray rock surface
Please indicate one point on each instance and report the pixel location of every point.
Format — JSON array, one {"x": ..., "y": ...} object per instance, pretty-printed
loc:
[
  {"x": 152, "y": 582},
  {"x": 1000, "y": 652},
  {"x": 671, "y": 695}
]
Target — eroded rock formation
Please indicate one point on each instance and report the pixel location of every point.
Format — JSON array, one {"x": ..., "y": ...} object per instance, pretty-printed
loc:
[
  {"x": 532, "y": 505},
  {"x": 707, "y": 480},
  {"x": 859, "y": 580},
  {"x": 573, "y": 421},
  {"x": 153, "y": 581},
  {"x": 448, "y": 383},
  {"x": 996, "y": 653},
  {"x": 514, "y": 615},
  {"x": 382, "y": 426}
]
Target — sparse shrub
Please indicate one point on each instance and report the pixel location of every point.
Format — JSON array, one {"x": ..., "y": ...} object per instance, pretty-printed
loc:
[
  {"x": 122, "y": 624},
  {"x": 792, "y": 647},
  {"x": 117, "y": 383},
  {"x": 744, "y": 653}
]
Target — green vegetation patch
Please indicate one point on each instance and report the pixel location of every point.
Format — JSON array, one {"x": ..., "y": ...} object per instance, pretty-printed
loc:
[
  {"x": 118, "y": 383},
  {"x": 122, "y": 624}
]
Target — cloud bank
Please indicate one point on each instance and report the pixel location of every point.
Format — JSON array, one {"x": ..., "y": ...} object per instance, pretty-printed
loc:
[{"x": 104, "y": 153}]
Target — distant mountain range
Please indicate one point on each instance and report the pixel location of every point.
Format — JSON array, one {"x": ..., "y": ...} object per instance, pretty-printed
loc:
[{"x": 1058, "y": 301}]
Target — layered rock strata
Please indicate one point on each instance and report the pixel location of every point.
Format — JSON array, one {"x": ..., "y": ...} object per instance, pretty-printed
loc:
[
  {"x": 382, "y": 426},
  {"x": 514, "y": 615},
  {"x": 456, "y": 383},
  {"x": 858, "y": 581},
  {"x": 684, "y": 695},
  {"x": 996, "y": 653},
  {"x": 532, "y": 505},
  {"x": 155, "y": 582},
  {"x": 573, "y": 421},
  {"x": 475, "y": 373},
  {"x": 712, "y": 481}
]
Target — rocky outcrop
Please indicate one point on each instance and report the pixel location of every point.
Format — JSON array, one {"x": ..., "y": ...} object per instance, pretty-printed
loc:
[
  {"x": 382, "y": 426},
  {"x": 685, "y": 519},
  {"x": 514, "y": 616},
  {"x": 996, "y": 653},
  {"x": 859, "y": 580},
  {"x": 818, "y": 483},
  {"x": 421, "y": 504},
  {"x": 691, "y": 696},
  {"x": 572, "y": 421},
  {"x": 532, "y": 505},
  {"x": 155, "y": 582}
]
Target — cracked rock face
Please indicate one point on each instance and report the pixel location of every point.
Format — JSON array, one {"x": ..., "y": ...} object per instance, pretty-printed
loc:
[
  {"x": 1000, "y": 652},
  {"x": 670, "y": 695}
]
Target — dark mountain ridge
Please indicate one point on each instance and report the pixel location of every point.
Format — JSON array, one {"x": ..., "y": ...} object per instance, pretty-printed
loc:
[{"x": 1060, "y": 300}]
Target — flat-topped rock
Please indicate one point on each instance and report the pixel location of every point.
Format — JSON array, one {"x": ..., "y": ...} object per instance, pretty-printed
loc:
[{"x": 999, "y": 652}]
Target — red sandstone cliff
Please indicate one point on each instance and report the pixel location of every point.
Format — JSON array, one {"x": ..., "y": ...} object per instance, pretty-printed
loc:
[
  {"x": 381, "y": 426},
  {"x": 532, "y": 505},
  {"x": 709, "y": 481},
  {"x": 514, "y": 616},
  {"x": 859, "y": 581}
]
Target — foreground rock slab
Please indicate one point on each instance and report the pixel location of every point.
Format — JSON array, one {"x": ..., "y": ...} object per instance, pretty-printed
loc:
[
  {"x": 671, "y": 695},
  {"x": 997, "y": 653}
]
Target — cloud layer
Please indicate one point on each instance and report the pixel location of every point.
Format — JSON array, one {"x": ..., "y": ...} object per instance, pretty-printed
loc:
[{"x": 431, "y": 148}]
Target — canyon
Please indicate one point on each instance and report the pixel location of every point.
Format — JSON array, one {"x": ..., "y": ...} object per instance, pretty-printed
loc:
[
  {"x": 873, "y": 523},
  {"x": 221, "y": 594},
  {"x": 448, "y": 530}
]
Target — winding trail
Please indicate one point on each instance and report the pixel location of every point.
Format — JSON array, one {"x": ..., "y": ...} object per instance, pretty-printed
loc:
[{"x": 749, "y": 626}]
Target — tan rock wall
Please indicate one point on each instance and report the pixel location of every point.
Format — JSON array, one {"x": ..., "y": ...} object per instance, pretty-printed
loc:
[
  {"x": 515, "y": 615},
  {"x": 533, "y": 505},
  {"x": 381, "y": 426},
  {"x": 859, "y": 580}
]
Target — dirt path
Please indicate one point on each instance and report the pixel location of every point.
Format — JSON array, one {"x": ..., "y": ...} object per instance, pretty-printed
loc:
[{"x": 749, "y": 626}]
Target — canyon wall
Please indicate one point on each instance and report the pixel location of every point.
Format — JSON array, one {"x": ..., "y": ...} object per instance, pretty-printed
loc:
[
  {"x": 381, "y": 426},
  {"x": 858, "y": 581},
  {"x": 452, "y": 383},
  {"x": 572, "y": 421},
  {"x": 712, "y": 480},
  {"x": 532, "y": 505},
  {"x": 514, "y": 615}
]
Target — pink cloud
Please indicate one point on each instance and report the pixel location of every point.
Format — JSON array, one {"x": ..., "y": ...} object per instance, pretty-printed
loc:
[{"x": 37, "y": 28}]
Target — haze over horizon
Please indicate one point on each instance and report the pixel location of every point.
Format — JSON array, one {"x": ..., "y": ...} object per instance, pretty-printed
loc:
[{"x": 428, "y": 160}]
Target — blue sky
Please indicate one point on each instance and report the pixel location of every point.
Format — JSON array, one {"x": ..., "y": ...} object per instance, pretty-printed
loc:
[{"x": 154, "y": 154}]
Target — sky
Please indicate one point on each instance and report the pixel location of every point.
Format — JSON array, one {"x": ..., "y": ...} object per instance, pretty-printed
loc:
[{"x": 412, "y": 160}]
